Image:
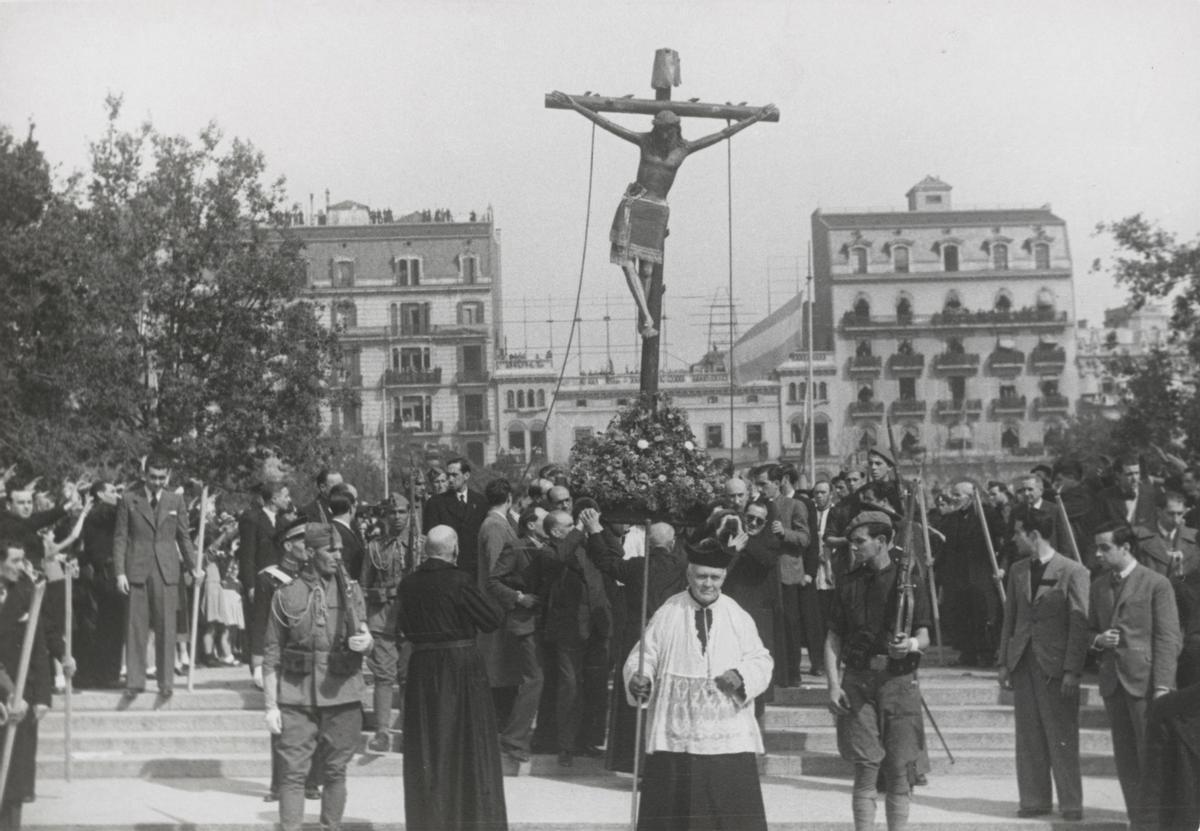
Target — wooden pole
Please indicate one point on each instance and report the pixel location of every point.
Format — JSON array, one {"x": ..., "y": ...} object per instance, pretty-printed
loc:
[
  {"x": 197, "y": 585},
  {"x": 68, "y": 670},
  {"x": 645, "y": 106},
  {"x": 1062, "y": 511},
  {"x": 10, "y": 732},
  {"x": 641, "y": 707},
  {"x": 987, "y": 537},
  {"x": 933, "y": 600}
]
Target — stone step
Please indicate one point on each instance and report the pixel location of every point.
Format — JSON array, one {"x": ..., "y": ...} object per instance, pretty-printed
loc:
[
  {"x": 967, "y": 763},
  {"x": 1002, "y": 739},
  {"x": 785, "y": 718},
  {"x": 937, "y": 694}
]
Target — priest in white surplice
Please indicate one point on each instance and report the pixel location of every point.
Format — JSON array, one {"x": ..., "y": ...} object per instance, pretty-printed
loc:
[{"x": 704, "y": 666}]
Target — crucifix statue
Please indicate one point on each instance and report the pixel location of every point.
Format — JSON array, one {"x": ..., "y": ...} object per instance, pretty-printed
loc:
[{"x": 639, "y": 229}]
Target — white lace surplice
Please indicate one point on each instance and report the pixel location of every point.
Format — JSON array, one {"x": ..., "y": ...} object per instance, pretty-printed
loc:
[{"x": 687, "y": 713}]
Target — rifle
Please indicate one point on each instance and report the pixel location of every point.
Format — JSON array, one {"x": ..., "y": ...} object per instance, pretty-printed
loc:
[
  {"x": 411, "y": 559},
  {"x": 1062, "y": 510},
  {"x": 987, "y": 537},
  {"x": 887, "y": 423},
  {"x": 933, "y": 601},
  {"x": 10, "y": 732}
]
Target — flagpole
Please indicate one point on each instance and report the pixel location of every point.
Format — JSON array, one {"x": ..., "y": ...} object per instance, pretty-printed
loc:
[{"x": 808, "y": 399}]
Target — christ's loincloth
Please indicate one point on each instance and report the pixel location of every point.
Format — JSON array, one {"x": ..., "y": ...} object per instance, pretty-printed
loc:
[{"x": 639, "y": 228}]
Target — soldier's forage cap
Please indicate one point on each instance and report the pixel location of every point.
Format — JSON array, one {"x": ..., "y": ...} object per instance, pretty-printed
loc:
[
  {"x": 709, "y": 553},
  {"x": 883, "y": 454},
  {"x": 319, "y": 535},
  {"x": 868, "y": 518},
  {"x": 291, "y": 531},
  {"x": 663, "y": 117}
]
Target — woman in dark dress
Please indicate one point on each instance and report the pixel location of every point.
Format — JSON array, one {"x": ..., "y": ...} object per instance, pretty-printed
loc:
[{"x": 452, "y": 773}]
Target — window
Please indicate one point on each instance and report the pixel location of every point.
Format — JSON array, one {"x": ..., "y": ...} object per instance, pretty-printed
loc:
[
  {"x": 954, "y": 346},
  {"x": 792, "y": 392},
  {"x": 541, "y": 398},
  {"x": 516, "y": 438},
  {"x": 862, "y": 308},
  {"x": 714, "y": 435},
  {"x": 908, "y": 389},
  {"x": 1003, "y": 302},
  {"x": 797, "y": 432},
  {"x": 933, "y": 199},
  {"x": 1010, "y": 436},
  {"x": 582, "y": 433},
  {"x": 348, "y": 367},
  {"x": 910, "y": 441},
  {"x": 470, "y": 313},
  {"x": 510, "y": 400},
  {"x": 950, "y": 257},
  {"x": 713, "y": 399},
  {"x": 1045, "y": 300},
  {"x": 953, "y": 303},
  {"x": 802, "y": 390},
  {"x": 1000, "y": 256},
  {"x": 1041, "y": 256},
  {"x": 581, "y": 402},
  {"x": 475, "y": 453},
  {"x": 821, "y": 438},
  {"x": 866, "y": 394},
  {"x": 822, "y": 393},
  {"x": 413, "y": 319},
  {"x": 345, "y": 315},
  {"x": 472, "y": 409},
  {"x": 622, "y": 402},
  {"x": 1049, "y": 387},
  {"x": 752, "y": 398},
  {"x": 754, "y": 434},
  {"x": 468, "y": 266},
  {"x": 900, "y": 259},
  {"x": 958, "y": 390},
  {"x": 520, "y": 399},
  {"x": 866, "y": 439},
  {"x": 341, "y": 274},
  {"x": 537, "y": 438},
  {"x": 407, "y": 271},
  {"x": 859, "y": 257},
  {"x": 416, "y": 413},
  {"x": 863, "y": 350},
  {"x": 471, "y": 358},
  {"x": 904, "y": 310},
  {"x": 1008, "y": 391},
  {"x": 352, "y": 419}
]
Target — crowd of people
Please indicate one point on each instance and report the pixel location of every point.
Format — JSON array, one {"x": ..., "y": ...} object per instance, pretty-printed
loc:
[{"x": 511, "y": 619}]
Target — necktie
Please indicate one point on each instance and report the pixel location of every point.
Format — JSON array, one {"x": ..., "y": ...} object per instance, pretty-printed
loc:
[
  {"x": 154, "y": 501},
  {"x": 703, "y": 624},
  {"x": 462, "y": 497},
  {"x": 1116, "y": 582}
]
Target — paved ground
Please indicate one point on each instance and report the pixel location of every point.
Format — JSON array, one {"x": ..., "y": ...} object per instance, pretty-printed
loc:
[{"x": 534, "y": 804}]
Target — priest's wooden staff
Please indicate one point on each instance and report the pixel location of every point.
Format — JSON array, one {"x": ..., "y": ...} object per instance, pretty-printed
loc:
[
  {"x": 640, "y": 723},
  {"x": 197, "y": 585},
  {"x": 68, "y": 664},
  {"x": 991, "y": 550},
  {"x": 18, "y": 696}
]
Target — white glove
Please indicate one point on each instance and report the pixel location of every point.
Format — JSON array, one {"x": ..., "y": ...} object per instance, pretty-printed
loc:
[{"x": 362, "y": 641}]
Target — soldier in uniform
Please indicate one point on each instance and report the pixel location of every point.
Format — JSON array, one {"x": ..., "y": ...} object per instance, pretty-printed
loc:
[
  {"x": 268, "y": 581},
  {"x": 386, "y": 563},
  {"x": 877, "y": 701},
  {"x": 312, "y": 674}
]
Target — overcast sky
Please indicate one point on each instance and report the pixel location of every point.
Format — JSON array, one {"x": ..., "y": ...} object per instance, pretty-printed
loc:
[{"x": 1093, "y": 107}]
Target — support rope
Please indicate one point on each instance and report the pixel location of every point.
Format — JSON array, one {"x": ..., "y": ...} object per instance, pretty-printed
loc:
[{"x": 587, "y": 225}]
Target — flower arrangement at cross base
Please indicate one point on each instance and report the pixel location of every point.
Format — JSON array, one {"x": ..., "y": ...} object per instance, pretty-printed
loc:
[{"x": 646, "y": 464}]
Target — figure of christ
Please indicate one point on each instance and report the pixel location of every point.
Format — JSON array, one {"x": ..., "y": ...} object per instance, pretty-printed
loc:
[{"x": 639, "y": 228}]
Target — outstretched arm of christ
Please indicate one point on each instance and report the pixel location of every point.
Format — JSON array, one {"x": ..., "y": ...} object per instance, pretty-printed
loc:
[
  {"x": 731, "y": 130},
  {"x": 611, "y": 126}
]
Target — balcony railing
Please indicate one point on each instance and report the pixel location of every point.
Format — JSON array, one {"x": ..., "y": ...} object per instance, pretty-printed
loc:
[
  {"x": 474, "y": 425},
  {"x": 957, "y": 363},
  {"x": 460, "y": 330},
  {"x": 1006, "y": 361},
  {"x": 473, "y": 376},
  {"x": 865, "y": 365},
  {"x": 1009, "y": 405},
  {"x": 911, "y": 364},
  {"x": 1048, "y": 359},
  {"x": 1052, "y": 404},
  {"x": 866, "y": 409},
  {"x": 420, "y": 428},
  {"x": 853, "y": 323},
  {"x": 958, "y": 406},
  {"x": 413, "y": 377},
  {"x": 909, "y": 409}
]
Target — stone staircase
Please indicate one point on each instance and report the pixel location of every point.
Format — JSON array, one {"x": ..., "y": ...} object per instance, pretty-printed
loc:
[{"x": 217, "y": 731}]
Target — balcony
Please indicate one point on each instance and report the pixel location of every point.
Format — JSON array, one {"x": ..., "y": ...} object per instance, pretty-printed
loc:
[
  {"x": 473, "y": 376},
  {"x": 1006, "y": 362},
  {"x": 460, "y": 330},
  {"x": 990, "y": 319},
  {"x": 416, "y": 428},
  {"x": 1052, "y": 405},
  {"x": 957, "y": 363},
  {"x": 866, "y": 366},
  {"x": 910, "y": 365},
  {"x": 348, "y": 380},
  {"x": 474, "y": 425},
  {"x": 1010, "y": 405},
  {"x": 413, "y": 377},
  {"x": 953, "y": 407},
  {"x": 1048, "y": 358},
  {"x": 866, "y": 409},
  {"x": 909, "y": 409}
]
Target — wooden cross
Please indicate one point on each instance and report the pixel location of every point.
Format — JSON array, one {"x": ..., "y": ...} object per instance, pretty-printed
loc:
[{"x": 665, "y": 75}]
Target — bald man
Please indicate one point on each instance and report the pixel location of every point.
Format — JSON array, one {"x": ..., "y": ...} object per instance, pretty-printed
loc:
[
  {"x": 452, "y": 772},
  {"x": 737, "y": 493}
]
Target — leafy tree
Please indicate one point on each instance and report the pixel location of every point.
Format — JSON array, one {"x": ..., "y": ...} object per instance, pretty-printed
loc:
[{"x": 158, "y": 302}]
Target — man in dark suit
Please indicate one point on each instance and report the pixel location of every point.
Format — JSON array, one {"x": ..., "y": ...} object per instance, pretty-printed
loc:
[
  {"x": 341, "y": 509},
  {"x": 460, "y": 508},
  {"x": 102, "y": 630},
  {"x": 1134, "y": 624},
  {"x": 150, "y": 537},
  {"x": 1131, "y": 500},
  {"x": 1168, "y": 546},
  {"x": 318, "y": 509},
  {"x": 1043, "y": 644},
  {"x": 258, "y": 550}
]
